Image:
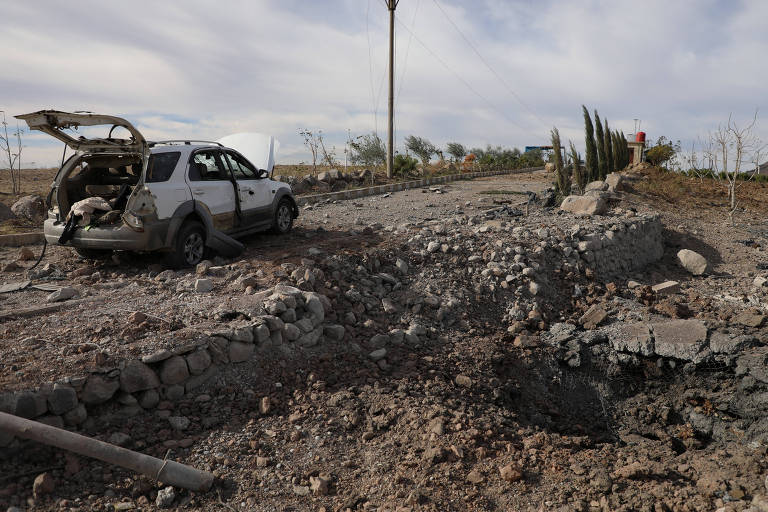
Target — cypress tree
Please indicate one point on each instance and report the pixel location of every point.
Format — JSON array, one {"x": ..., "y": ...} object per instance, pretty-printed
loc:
[
  {"x": 590, "y": 158},
  {"x": 617, "y": 150},
  {"x": 625, "y": 160},
  {"x": 608, "y": 149},
  {"x": 577, "y": 170},
  {"x": 562, "y": 174},
  {"x": 602, "y": 167}
]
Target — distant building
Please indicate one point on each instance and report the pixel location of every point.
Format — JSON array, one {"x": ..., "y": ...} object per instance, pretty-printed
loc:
[
  {"x": 635, "y": 151},
  {"x": 762, "y": 168}
]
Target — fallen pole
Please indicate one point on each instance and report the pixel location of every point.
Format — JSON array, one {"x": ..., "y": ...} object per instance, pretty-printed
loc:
[{"x": 166, "y": 471}]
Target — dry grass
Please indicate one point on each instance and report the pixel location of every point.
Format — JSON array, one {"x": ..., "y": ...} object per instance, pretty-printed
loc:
[{"x": 683, "y": 192}]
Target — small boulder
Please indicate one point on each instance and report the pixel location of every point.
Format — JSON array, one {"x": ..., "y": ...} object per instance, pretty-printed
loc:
[
  {"x": 31, "y": 208},
  {"x": 43, "y": 484},
  {"x": 585, "y": 205},
  {"x": 616, "y": 182},
  {"x": 692, "y": 261},
  {"x": 62, "y": 294},
  {"x": 596, "y": 185},
  {"x": 203, "y": 285}
]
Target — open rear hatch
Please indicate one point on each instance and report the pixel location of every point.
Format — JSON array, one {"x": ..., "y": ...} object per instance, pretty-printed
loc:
[{"x": 110, "y": 160}]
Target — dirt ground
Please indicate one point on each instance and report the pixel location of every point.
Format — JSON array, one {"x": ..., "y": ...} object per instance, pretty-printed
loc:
[{"x": 468, "y": 421}]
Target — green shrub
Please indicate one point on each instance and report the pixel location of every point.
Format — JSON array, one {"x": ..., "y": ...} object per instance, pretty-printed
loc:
[{"x": 404, "y": 165}]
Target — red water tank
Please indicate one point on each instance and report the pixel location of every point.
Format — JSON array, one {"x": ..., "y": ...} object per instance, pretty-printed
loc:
[{"x": 640, "y": 137}]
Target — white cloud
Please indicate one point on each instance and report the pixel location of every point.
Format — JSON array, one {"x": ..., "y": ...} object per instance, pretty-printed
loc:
[{"x": 274, "y": 66}]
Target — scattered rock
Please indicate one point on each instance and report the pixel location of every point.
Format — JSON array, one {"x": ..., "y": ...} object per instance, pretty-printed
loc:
[
  {"x": 692, "y": 261},
  {"x": 463, "y": 381},
  {"x": 165, "y": 497},
  {"x": 319, "y": 485},
  {"x": 203, "y": 285},
  {"x": 61, "y": 295},
  {"x": 593, "y": 317},
  {"x": 43, "y": 484},
  {"x": 681, "y": 339},
  {"x": 511, "y": 473},
  {"x": 26, "y": 254},
  {"x": 666, "y": 288},
  {"x": 749, "y": 319}
]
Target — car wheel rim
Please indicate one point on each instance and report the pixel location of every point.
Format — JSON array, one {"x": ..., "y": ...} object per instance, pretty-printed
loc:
[
  {"x": 283, "y": 218},
  {"x": 193, "y": 248}
]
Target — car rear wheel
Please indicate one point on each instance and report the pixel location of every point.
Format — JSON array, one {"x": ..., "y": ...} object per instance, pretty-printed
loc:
[
  {"x": 189, "y": 247},
  {"x": 283, "y": 221}
]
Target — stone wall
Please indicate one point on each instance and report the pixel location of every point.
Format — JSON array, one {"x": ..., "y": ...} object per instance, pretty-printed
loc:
[{"x": 289, "y": 318}]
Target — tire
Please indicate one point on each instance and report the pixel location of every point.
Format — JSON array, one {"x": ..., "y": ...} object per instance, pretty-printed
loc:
[
  {"x": 283, "y": 221},
  {"x": 93, "y": 254},
  {"x": 189, "y": 246}
]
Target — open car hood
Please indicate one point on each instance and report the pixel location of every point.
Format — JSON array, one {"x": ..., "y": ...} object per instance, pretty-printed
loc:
[
  {"x": 54, "y": 123},
  {"x": 260, "y": 149}
]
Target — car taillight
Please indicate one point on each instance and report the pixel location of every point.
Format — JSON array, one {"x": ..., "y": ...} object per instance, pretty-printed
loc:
[{"x": 133, "y": 221}]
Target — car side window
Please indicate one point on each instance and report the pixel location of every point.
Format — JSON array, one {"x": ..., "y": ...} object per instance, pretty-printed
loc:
[
  {"x": 207, "y": 166},
  {"x": 241, "y": 168}
]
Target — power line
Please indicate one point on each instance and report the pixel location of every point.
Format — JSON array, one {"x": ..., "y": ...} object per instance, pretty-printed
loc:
[
  {"x": 482, "y": 59},
  {"x": 460, "y": 78}
]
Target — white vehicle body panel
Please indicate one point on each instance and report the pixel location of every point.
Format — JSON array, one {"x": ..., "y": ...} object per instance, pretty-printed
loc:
[{"x": 260, "y": 149}]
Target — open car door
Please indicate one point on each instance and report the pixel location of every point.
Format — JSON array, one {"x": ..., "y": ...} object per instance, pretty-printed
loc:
[{"x": 61, "y": 125}]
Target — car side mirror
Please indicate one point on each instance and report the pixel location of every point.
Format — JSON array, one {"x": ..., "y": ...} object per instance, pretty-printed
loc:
[{"x": 262, "y": 173}]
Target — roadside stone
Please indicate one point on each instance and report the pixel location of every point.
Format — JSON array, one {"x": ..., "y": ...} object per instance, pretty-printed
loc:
[
  {"x": 28, "y": 404},
  {"x": 433, "y": 246},
  {"x": 291, "y": 332},
  {"x": 692, "y": 261},
  {"x": 174, "y": 370},
  {"x": 137, "y": 376},
  {"x": 239, "y": 351},
  {"x": 615, "y": 182},
  {"x": 203, "y": 285},
  {"x": 680, "y": 339},
  {"x": 202, "y": 268},
  {"x": 99, "y": 389},
  {"x": 593, "y": 317},
  {"x": 475, "y": 477},
  {"x": 376, "y": 355},
  {"x": 311, "y": 338},
  {"x": 198, "y": 361},
  {"x": 76, "y": 416},
  {"x": 156, "y": 357},
  {"x": 62, "y": 399},
  {"x": 722, "y": 343},
  {"x": 149, "y": 399},
  {"x": 596, "y": 185},
  {"x": 61, "y": 295}
]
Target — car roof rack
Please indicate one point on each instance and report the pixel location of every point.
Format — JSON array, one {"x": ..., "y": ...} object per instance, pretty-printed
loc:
[{"x": 186, "y": 142}]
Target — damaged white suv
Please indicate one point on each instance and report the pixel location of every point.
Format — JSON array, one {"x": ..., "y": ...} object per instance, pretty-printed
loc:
[{"x": 121, "y": 192}]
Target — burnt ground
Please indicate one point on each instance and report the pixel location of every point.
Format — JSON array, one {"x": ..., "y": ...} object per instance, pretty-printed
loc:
[{"x": 411, "y": 436}]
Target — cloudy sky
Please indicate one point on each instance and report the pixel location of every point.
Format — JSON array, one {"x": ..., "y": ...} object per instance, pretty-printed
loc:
[{"x": 474, "y": 71}]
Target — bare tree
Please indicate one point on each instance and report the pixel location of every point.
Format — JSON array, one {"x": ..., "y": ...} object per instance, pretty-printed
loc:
[
  {"x": 311, "y": 140},
  {"x": 329, "y": 157},
  {"x": 731, "y": 146},
  {"x": 14, "y": 159}
]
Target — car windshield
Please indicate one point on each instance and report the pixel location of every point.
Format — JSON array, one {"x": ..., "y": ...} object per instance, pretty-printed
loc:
[{"x": 161, "y": 166}]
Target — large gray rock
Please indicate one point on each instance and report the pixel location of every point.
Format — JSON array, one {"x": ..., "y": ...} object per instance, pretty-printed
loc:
[
  {"x": 596, "y": 185},
  {"x": 137, "y": 376},
  {"x": 680, "y": 339},
  {"x": 585, "y": 205},
  {"x": 692, "y": 261},
  {"x": 29, "y": 405},
  {"x": 616, "y": 182},
  {"x": 239, "y": 352},
  {"x": 31, "y": 208},
  {"x": 99, "y": 389},
  {"x": 62, "y": 399},
  {"x": 174, "y": 370}
]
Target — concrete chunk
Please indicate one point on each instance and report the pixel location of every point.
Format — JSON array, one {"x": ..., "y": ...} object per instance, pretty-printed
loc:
[
  {"x": 680, "y": 339},
  {"x": 635, "y": 338},
  {"x": 667, "y": 287}
]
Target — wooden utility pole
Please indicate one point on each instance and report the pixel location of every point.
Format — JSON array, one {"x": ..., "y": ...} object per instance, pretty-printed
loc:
[{"x": 391, "y": 5}]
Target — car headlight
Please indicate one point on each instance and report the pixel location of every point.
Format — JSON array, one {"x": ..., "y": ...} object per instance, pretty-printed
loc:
[{"x": 133, "y": 221}]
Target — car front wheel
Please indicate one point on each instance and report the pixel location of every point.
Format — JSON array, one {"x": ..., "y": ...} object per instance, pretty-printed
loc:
[
  {"x": 283, "y": 221},
  {"x": 189, "y": 249}
]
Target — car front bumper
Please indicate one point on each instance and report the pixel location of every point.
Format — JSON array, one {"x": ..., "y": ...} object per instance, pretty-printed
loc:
[{"x": 111, "y": 237}]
